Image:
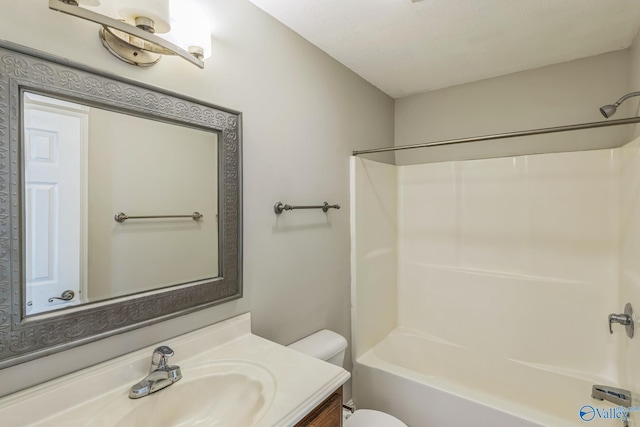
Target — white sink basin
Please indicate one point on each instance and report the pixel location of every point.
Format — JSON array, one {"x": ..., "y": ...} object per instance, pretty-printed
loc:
[{"x": 220, "y": 394}]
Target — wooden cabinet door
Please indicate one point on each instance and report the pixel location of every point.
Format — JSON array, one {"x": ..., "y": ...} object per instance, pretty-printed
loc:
[{"x": 326, "y": 414}]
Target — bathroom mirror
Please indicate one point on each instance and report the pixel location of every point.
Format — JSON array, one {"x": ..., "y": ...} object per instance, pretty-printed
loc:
[
  {"x": 120, "y": 205},
  {"x": 80, "y": 172}
]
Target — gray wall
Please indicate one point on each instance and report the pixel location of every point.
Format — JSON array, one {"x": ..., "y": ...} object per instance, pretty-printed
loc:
[
  {"x": 634, "y": 83},
  {"x": 555, "y": 95},
  {"x": 303, "y": 115}
]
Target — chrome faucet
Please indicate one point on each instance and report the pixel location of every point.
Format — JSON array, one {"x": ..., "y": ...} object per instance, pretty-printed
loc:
[{"x": 160, "y": 375}]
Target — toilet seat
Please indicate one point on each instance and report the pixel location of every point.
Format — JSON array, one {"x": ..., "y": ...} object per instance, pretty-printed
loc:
[{"x": 371, "y": 418}]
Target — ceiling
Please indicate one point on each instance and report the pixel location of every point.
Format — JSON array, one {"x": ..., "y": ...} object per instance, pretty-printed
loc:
[{"x": 405, "y": 47}]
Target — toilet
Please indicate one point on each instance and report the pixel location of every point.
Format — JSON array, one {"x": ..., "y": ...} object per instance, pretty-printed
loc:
[{"x": 330, "y": 347}]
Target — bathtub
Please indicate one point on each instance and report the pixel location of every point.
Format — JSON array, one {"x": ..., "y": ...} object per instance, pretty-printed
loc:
[{"x": 427, "y": 382}]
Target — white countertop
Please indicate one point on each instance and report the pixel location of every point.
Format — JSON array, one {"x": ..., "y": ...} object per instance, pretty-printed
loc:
[{"x": 301, "y": 382}]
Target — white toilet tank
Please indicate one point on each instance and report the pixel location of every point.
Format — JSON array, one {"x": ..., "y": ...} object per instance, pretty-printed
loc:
[
  {"x": 324, "y": 345},
  {"x": 329, "y": 346}
]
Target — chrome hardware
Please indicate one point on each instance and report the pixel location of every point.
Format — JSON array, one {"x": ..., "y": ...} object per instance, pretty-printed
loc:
[
  {"x": 625, "y": 319},
  {"x": 160, "y": 357},
  {"x": 517, "y": 134},
  {"x": 279, "y": 207},
  {"x": 622, "y": 319},
  {"x": 349, "y": 406},
  {"x": 122, "y": 217},
  {"x": 65, "y": 296},
  {"x": 617, "y": 396},
  {"x": 160, "y": 375}
]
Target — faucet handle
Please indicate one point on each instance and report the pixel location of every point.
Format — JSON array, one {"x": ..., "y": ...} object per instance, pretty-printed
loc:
[
  {"x": 625, "y": 319},
  {"x": 622, "y": 319},
  {"x": 160, "y": 357}
]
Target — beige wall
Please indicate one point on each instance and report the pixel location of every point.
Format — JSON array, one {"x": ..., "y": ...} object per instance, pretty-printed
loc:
[
  {"x": 634, "y": 84},
  {"x": 145, "y": 167},
  {"x": 303, "y": 113},
  {"x": 556, "y": 95}
]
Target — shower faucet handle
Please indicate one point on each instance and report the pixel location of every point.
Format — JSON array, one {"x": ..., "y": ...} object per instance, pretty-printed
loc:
[
  {"x": 625, "y": 319},
  {"x": 622, "y": 319}
]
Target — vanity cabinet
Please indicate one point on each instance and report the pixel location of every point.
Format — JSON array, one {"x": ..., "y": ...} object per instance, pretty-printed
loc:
[{"x": 326, "y": 414}]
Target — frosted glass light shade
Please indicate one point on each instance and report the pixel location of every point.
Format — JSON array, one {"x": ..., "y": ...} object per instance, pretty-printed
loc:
[
  {"x": 158, "y": 10},
  {"x": 189, "y": 26}
]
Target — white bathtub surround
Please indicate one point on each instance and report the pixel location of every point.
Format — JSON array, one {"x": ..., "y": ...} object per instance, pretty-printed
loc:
[
  {"x": 293, "y": 383},
  {"x": 630, "y": 256},
  {"x": 506, "y": 271},
  {"x": 373, "y": 252}
]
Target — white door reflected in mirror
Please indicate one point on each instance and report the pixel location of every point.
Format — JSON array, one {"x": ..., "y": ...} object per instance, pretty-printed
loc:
[
  {"x": 82, "y": 165},
  {"x": 55, "y": 141}
]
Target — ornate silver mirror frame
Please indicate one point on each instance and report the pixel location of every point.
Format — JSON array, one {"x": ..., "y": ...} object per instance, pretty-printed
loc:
[{"x": 26, "y": 338}]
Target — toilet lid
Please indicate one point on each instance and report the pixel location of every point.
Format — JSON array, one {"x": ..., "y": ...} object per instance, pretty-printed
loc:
[{"x": 371, "y": 418}]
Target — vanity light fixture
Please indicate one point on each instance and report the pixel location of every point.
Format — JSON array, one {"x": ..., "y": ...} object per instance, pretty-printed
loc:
[{"x": 132, "y": 37}]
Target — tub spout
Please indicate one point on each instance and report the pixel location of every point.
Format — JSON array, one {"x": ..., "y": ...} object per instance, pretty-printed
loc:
[{"x": 617, "y": 396}]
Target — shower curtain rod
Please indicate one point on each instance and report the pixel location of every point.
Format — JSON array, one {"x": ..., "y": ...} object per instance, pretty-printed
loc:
[{"x": 581, "y": 126}]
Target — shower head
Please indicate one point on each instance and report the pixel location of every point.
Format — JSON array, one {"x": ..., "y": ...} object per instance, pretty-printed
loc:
[{"x": 609, "y": 110}]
